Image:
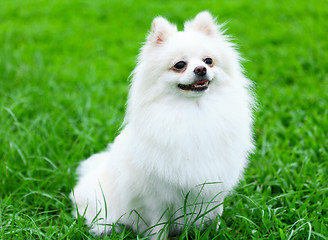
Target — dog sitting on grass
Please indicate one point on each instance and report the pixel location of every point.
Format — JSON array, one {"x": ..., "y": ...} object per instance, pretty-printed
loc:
[{"x": 187, "y": 132}]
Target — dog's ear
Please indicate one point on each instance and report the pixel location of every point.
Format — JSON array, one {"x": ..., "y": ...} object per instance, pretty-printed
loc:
[
  {"x": 203, "y": 22},
  {"x": 161, "y": 29}
]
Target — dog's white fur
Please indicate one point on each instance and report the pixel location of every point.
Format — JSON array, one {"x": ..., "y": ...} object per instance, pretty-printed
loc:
[{"x": 173, "y": 140}]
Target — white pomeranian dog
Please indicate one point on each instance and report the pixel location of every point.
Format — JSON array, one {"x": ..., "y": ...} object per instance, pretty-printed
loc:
[{"x": 186, "y": 138}]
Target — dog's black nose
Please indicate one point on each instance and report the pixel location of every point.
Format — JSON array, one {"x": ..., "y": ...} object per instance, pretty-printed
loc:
[{"x": 200, "y": 70}]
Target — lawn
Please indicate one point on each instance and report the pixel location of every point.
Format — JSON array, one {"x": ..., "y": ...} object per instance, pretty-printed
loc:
[{"x": 64, "y": 68}]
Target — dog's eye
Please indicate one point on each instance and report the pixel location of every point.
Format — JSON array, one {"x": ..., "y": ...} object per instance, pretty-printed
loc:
[
  {"x": 180, "y": 65},
  {"x": 208, "y": 61}
]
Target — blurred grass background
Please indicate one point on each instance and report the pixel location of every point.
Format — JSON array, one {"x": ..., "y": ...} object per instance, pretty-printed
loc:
[{"x": 64, "y": 68}]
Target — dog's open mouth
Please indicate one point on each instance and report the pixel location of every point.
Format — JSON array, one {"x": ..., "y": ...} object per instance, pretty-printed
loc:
[{"x": 196, "y": 86}]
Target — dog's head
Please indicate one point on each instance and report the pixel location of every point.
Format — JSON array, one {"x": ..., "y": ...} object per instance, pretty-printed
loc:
[{"x": 187, "y": 63}]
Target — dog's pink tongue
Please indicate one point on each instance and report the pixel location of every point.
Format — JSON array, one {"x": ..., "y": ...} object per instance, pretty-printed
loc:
[{"x": 200, "y": 82}]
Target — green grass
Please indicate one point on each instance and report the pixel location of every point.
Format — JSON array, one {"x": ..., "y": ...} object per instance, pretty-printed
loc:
[{"x": 64, "y": 68}]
